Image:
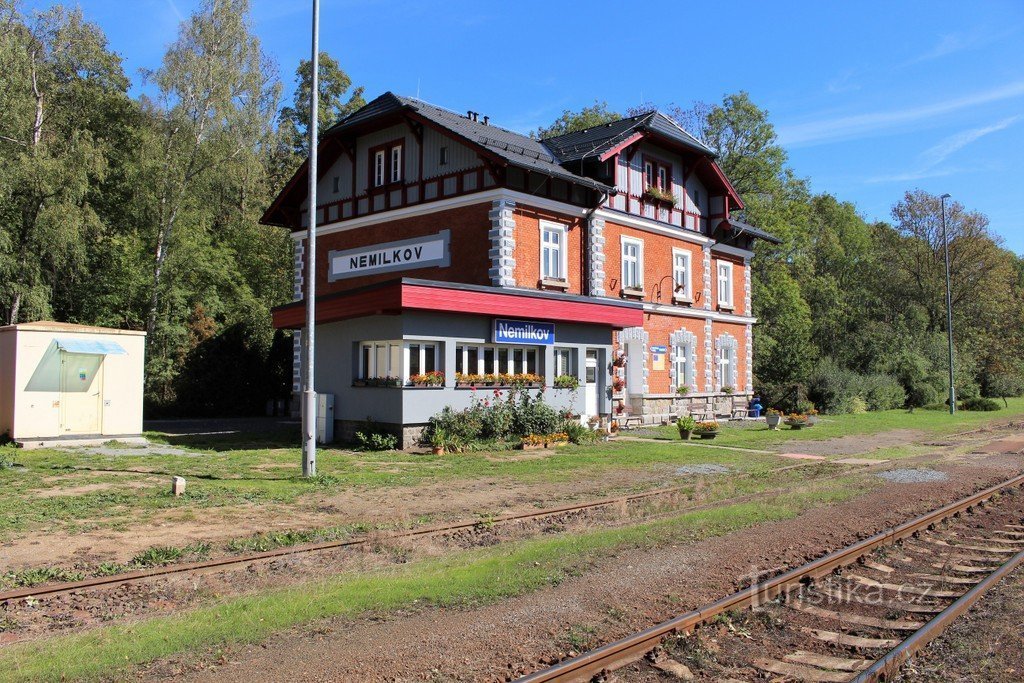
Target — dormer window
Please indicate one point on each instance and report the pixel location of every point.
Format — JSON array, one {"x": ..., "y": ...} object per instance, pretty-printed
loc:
[
  {"x": 657, "y": 174},
  {"x": 387, "y": 164}
]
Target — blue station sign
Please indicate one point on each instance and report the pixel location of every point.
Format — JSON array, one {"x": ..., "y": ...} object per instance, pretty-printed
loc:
[{"x": 523, "y": 332}]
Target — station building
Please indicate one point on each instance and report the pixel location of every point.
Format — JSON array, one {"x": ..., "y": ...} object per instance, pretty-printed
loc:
[{"x": 455, "y": 257}]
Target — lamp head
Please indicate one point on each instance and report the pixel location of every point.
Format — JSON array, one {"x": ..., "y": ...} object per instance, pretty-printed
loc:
[{"x": 945, "y": 196}]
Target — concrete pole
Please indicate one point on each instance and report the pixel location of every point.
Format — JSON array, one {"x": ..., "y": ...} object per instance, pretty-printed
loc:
[
  {"x": 949, "y": 309},
  {"x": 308, "y": 336}
]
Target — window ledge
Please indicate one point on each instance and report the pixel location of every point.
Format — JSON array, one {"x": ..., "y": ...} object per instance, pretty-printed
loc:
[
  {"x": 632, "y": 292},
  {"x": 726, "y": 307},
  {"x": 554, "y": 283},
  {"x": 684, "y": 300}
]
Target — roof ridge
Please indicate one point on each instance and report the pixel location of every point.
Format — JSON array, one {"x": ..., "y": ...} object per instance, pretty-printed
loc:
[{"x": 680, "y": 127}]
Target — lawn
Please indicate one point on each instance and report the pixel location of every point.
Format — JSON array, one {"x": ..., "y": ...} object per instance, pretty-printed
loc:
[
  {"x": 73, "y": 490},
  {"x": 757, "y": 435}
]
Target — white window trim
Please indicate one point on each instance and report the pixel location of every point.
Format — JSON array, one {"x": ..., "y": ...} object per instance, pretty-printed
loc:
[
  {"x": 378, "y": 168},
  {"x": 396, "y": 163},
  {"x": 563, "y": 250},
  {"x": 407, "y": 354},
  {"x": 726, "y": 302},
  {"x": 639, "y": 261},
  {"x": 687, "y": 293},
  {"x": 481, "y": 369},
  {"x": 727, "y": 360}
]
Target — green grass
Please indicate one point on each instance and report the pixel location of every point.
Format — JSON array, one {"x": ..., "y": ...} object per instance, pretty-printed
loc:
[
  {"x": 461, "y": 579},
  {"x": 225, "y": 472},
  {"x": 137, "y": 486},
  {"x": 757, "y": 434}
]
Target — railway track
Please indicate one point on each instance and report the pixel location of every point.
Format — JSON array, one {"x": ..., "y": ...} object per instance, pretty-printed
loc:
[{"x": 856, "y": 614}]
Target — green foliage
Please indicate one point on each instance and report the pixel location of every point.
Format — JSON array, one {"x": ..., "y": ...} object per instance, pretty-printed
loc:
[
  {"x": 566, "y": 382},
  {"x": 377, "y": 440},
  {"x": 334, "y": 84},
  {"x": 979, "y": 404},
  {"x": 572, "y": 121},
  {"x": 504, "y": 416}
]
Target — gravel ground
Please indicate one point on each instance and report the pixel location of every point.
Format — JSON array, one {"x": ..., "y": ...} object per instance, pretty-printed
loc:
[
  {"x": 620, "y": 594},
  {"x": 702, "y": 469},
  {"x": 919, "y": 475}
]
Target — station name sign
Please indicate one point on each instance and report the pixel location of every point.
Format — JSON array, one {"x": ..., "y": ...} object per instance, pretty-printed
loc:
[
  {"x": 418, "y": 252},
  {"x": 523, "y": 332}
]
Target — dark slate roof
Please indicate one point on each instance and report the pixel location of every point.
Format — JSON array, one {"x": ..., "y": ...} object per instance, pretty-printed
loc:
[
  {"x": 593, "y": 142},
  {"x": 739, "y": 228},
  {"x": 517, "y": 149}
]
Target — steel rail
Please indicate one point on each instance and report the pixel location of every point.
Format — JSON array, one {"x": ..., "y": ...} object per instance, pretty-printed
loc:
[
  {"x": 621, "y": 652},
  {"x": 886, "y": 667},
  {"x": 114, "y": 579},
  {"x": 227, "y": 561}
]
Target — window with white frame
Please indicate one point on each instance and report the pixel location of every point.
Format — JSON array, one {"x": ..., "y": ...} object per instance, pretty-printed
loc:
[
  {"x": 681, "y": 275},
  {"x": 396, "y": 163},
  {"x": 553, "y": 251},
  {"x": 632, "y": 263},
  {"x": 496, "y": 360},
  {"x": 563, "y": 362},
  {"x": 682, "y": 365},
  {"x": 378, "y": 168},
  {"x": 724, "y": 284},
  {"x": 726, "y": 367},
  {"x": 378, "y": 360},
  {"x": 422, "y": 358},
  {"x": 398, "y": 360}
]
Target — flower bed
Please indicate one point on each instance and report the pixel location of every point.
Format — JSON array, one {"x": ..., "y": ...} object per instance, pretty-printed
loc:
[
  {"x": 706, "y": 430},
  {"x": 498, "y": 380},
  {"x": 532, "y": 442},
  {"x": 428, "y": 379}
]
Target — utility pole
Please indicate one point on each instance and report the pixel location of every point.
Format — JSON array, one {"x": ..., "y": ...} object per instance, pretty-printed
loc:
[
  {"x": 309, "y": 335},
  {"x": 949, "y": 308}
]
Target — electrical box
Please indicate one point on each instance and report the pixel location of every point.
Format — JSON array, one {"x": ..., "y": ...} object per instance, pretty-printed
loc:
[{"x": 325, "y": 418}]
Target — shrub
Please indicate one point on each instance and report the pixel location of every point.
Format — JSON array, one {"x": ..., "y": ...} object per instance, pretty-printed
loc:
[
  {"x": 883, "y": 392},
  {"x": 858, "y": 405},
  {"x": 979, "y": 403},
  {"x": 921, "y": 394},
  {"x": 577, "y": 433},
  {"x": 519, "y": 413},
  {"x": 376, "y": 440}
]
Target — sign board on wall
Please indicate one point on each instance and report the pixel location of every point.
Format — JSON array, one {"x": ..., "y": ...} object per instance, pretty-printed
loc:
[
  {"x": 523, "y": 332},
  {"x": 417, "y": 252},
  {"x": 658, "y": 357}
]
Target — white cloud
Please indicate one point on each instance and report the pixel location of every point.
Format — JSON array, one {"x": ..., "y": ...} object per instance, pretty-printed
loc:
[
  {"x": 931, "y": 160},
  {"x": 865, "y": 125}
]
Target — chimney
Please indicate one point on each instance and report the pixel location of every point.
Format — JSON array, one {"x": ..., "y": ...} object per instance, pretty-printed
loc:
[
  {"x": 469, "y": 114},
  {"x": 486, "y": 119}
]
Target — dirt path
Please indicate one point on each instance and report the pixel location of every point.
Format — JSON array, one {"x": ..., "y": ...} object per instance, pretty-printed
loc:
[{"x": 620, "y": 594}]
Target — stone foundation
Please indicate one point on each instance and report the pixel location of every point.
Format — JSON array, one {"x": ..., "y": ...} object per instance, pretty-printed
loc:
[{"x": 655, "y": 410}]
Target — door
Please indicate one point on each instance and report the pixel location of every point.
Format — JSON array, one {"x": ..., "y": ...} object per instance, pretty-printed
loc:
[
  {"x": 590, "y": 388},
  {"x": 634, "y": 367},
  {"x": 81, "y": 392}
]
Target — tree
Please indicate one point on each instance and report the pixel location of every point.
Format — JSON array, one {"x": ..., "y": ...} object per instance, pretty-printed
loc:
[
  {"x": 571, "y": 121},
  {"x": 334, "y": 84},
  {"x": 217, "y": 98},
  {"x": 58, "y": 78}
]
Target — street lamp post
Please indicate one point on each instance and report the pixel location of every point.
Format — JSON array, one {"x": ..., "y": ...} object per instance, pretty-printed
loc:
[
  {"x": 309, "y": 334},
  {"x": 949, "y": 308}
]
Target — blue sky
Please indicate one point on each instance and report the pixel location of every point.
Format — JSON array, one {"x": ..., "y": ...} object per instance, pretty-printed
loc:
[{"x": 869, "y": 98}]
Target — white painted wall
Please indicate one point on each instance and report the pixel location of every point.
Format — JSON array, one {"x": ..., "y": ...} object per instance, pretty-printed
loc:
[{"x": 30, "y": 405}]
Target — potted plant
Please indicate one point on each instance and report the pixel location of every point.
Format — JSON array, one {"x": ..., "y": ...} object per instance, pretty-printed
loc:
[
  {"x": 686, "y": 425},
  {"x": 773, "y": 418},
  {"x": 613, "y": 429},
  {"x": 796, "y": 420},
  {"x": 556, "y": 439},
  {"x": 812, "y": 417},
  {"x": 438, "y": 440},
  {"x": 602, "y": 434},
  {"x": 619, "y": 361},
  {"x": 361, "y": 382},
  {"x": 567, "y": 382},
  {"x": 706, "y": 430},
  {"x": 593, "y": 421},
  {"x": 682, "y": 390},
  {"x": 532, "y": 442},
  {"x": 660, "y": 195},
  {"x": 618, "y": 384},
  {"x": 728, "y": 391}
]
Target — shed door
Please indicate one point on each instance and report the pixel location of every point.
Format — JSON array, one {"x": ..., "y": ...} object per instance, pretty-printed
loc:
[{"x": 81, "y": 392}]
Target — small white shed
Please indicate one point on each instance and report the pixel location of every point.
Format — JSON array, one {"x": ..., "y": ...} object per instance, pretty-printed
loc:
[{"x": 61, "y": 382}]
